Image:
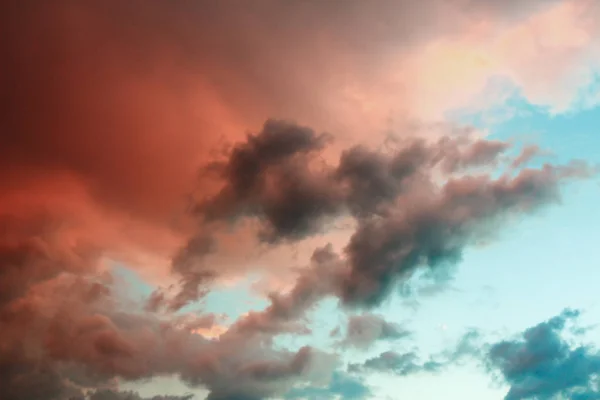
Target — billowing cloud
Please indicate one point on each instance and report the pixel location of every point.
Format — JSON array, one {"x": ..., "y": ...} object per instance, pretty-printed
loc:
[
  {"x": 416, "y": 217},
  {"x": 542, "y": 364},
  {"x": 84, "y": 329},
  {"x": 432, "y": 225},
  {"x": 429, "y": 200},
  {"x": 268, "y": 176},
  {"x": 419, "y": 221},
  {"x": 110, "y": 110}
]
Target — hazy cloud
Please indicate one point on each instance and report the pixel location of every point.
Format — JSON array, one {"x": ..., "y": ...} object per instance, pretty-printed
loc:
[{"x": 365, "y": 329}]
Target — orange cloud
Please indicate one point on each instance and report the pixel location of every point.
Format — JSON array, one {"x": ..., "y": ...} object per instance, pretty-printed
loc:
[{"x": 550, "y": 55}]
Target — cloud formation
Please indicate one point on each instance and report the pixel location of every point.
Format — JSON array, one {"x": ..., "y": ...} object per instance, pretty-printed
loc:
[
  {"x": 365, "y": 329},
  {"x": 542, "y": 364},
  {"x": 60, "y": 333},
  {"x": 427, "y": 201},
  {"x": 401, "y": 364},
  {"x": 268, "y": 176},
  {"x": 116, "y": 116},
  {"x": 341, "y": 384},
  {"x": 419, "y": 220},
  {"x": 433, "y": 228}
]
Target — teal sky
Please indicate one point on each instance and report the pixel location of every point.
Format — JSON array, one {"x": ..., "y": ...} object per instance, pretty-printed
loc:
[{"x": 533, "y": 270}]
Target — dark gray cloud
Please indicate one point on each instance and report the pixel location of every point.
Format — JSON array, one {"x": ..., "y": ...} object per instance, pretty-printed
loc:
[
  {"x": 22, "y": 379},
  {"x": 406, "y": 217},
  {"x": 541, "y": 364},
  {"x": 430, "y": 226},
  {"x": 261, "y": 377},
  {"x": 418, "y": 221},
  {"x": 475, "y": 154},
  {"x": 418, "y": 205},
  {"x": 420, "y": 214},
  {"x": 373, "y": 179},
  {"x": 275, "y": 176},
  {"x": 364, "y": 330},
  {"x": 268, "y": 176}
]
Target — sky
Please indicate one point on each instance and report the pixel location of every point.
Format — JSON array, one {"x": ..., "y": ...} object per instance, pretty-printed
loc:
[{"x": 273, "y": 199}]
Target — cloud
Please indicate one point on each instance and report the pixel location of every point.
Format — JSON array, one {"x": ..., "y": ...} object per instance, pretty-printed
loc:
[
  {"x": 341, "y": 384},
  {"x": 268, "y": 175},
  {"x": 365, "y": 329},
  {"x": 84, "y": 330},
  {"x": 129, "y": 101},
  {"x": 429, "y": 201},
  {"x": 83, "y": 103},
  {"x": 313, "y": 285},
  {"x": 266, "y": 377},
  {"x": 560, "y": 35},
  {"x": 109, "y": 110},
  {"x": 67, "y": 327},
  {"x": 540, "y": 363},
  {"x": 468, "y": 347},
  {"x": 107, "y": 394},
  {"x": 432, "y": 227},
  {"x": 402, "y": 364},
  {"x": 193, "y": 74},
  {"x": 419, "y": 220}
]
